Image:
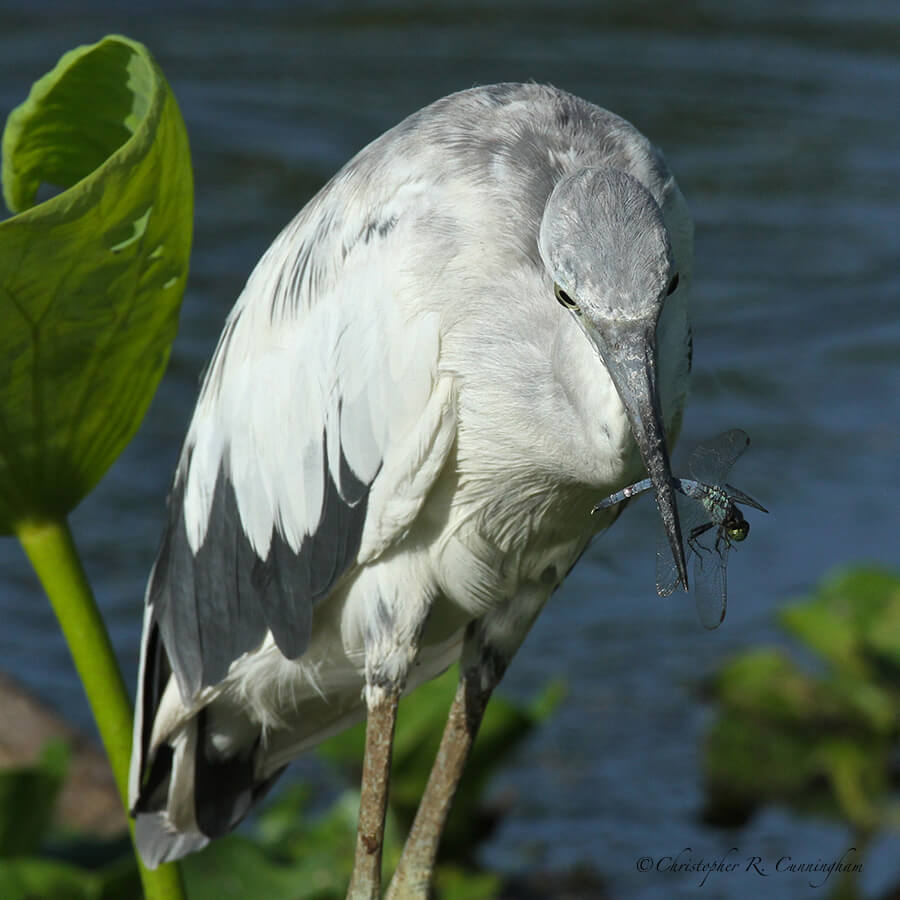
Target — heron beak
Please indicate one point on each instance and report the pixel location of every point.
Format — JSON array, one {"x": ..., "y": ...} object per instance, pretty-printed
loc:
[{"x": 629, "y": 352}]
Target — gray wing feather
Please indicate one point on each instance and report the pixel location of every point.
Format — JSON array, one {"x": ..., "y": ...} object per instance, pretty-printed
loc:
[
  {"x": 216, "y": 604},
  {"x": 159, "y": 844},
  {"x": 306, "y": 398},
  {"x": 228, "y": 608},
  {"x": 172, "y": 597}
]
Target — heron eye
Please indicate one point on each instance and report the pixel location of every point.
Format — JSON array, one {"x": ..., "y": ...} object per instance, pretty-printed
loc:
[
  {"x": 739, "y": 532},
  {"x": 673, "y": 285},
  {"x": 564, "y": 299}
]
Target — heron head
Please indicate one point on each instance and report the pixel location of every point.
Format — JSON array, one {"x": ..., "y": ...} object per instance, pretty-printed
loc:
[{"x": 605, "y": 244}]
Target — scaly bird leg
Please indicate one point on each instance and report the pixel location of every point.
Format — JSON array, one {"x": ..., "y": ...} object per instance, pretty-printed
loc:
[
  {"x": 489, "y": 645},
  {"x": 365, "y": 883},
  {"x": 412, "y": 879}
]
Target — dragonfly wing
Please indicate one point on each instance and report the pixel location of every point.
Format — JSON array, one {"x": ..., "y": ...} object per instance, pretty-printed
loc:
[
  {"x": 666, "y": 573},
  {"x": 712, "y": 460},
  {"x": 710, "y": 587},
  {"x": 740, "y": 497},
  {"x": 691, "y": 514}
]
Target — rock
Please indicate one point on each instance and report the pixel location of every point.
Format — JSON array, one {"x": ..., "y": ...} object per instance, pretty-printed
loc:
[{"x": 89, "y": 801}]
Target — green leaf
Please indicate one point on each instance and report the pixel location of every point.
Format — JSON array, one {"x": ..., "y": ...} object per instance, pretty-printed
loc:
[
  {"x": 852, "y": 615},
  {"x": 28, "y": 797},
  {"x": 856, "y": 779},
  {"x": 765, "y": 683},
  {"x": 311, "y": 862},
  {"x": 457, "y": 883},
  {"x": 35, "y": 879},
  {"x": 90, "y": 280},
  {"x": 319, "y": 850},
  {"x": 825, "y": 741},
  {"x": 237, "y": 869}
]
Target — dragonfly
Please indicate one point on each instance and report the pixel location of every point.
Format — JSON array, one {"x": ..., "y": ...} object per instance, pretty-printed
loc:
[{"x": 710, "y": 518}]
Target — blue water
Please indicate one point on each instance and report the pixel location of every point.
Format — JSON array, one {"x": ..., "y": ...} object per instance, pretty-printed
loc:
[{"x": 781, "y": 123}]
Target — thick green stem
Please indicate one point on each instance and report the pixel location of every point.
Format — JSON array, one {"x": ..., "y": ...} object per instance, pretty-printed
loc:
[{"x": 52, "y": 552}]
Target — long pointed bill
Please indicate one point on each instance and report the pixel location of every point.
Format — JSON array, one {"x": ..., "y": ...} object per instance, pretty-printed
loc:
[{"x": 629, "y": 352}]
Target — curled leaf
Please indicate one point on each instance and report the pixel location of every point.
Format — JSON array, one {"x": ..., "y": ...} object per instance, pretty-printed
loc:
[{"x": 91, "y": 280}]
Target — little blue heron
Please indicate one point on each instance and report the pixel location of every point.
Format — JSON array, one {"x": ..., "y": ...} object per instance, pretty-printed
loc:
[{"x": 476, "y": 329}]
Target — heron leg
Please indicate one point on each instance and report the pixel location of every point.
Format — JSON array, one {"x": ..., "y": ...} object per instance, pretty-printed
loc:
[
  {"x": 412, "y": 878},
  {"x": 365, "y": 883},
  {"x": 489, "y": 645}
]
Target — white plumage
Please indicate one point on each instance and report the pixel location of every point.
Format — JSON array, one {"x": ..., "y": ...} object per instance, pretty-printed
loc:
[{"x": 401, "y": 431}]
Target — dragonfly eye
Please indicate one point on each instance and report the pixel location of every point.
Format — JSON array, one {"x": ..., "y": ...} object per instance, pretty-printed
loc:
[{"x": 739, "y": 530}]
